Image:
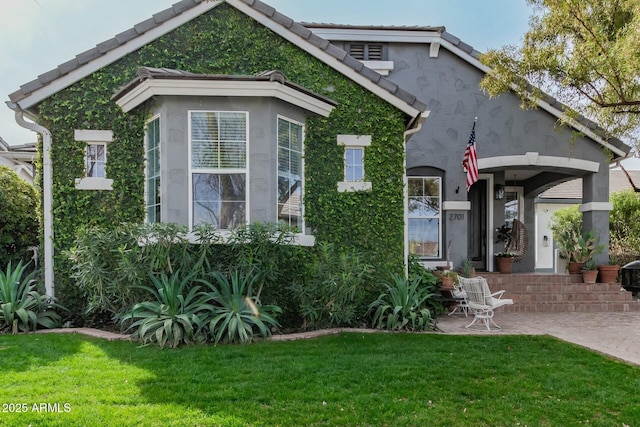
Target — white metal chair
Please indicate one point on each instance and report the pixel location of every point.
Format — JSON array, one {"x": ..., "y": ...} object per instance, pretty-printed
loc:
[
  {"x": 460, "y": 297},
  {"x": 481, "y": 301}
]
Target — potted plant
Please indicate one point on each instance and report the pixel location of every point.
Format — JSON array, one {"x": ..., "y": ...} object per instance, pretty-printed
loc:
[
  {"x": 589, "y": 271},
  {"x": 578, "y": 248},
  {"x": 466, "y": 268},
  {"x": 504, "y": 262},
  {"x": 609, "y": 272},
  {"x": 503, "y": 234},
  {"x": 448, "y": 279},
  {"x": 566, "y": 225}
]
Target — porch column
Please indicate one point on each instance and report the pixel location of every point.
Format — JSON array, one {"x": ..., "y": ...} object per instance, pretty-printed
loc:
[{"x": 595, "y": 209}]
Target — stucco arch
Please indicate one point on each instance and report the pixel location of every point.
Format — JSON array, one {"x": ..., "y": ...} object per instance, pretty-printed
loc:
[{"x": 533, "y": 159}]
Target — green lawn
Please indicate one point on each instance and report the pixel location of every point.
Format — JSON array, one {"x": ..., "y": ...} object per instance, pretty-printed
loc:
[{"x": 344, "y": 380}]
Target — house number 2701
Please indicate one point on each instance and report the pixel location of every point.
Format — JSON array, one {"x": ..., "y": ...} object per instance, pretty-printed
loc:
[{"x": 456, "y": 217}]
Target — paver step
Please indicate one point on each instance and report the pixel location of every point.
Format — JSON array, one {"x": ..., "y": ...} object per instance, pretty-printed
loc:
[{"x": 540, "y": 292}]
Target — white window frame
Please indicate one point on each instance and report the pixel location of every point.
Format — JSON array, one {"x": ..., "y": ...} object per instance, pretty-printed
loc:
[
  {"x": 219, "y": 171},
  {"x": 94, "y": 137},
  {"x": 353, "y": 165},
  {"x": 440, "y": 217},
  {"x": 146, "y": 167},
  {"x": 302, "y": 129},
  {"x": 96, "y": 161},
  {"x": 355, "y": 142}
]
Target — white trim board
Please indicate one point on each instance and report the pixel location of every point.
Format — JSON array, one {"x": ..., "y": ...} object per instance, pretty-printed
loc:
[{"x": 221, "y": 88}]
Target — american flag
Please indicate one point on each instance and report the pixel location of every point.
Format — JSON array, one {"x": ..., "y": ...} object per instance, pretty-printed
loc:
[{"x": 470, "y": 160}]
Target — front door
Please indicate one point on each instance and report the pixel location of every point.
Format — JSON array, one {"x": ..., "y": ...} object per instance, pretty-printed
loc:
[{"x": 477, "y": 227}]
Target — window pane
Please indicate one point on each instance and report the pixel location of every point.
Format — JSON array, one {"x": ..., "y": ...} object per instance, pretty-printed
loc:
[
  {"x": 153, "y": 171},
  {"x": 218, "y": 139},
  {"x": 424, "y": 216},
  {"x": 151, "y": 193},
  {"x": 354, "y": 167},
  {"x": 424, "y": 206},
  {"x": 289, "y": 201},
  {"x": 95, "y": 160},
  {"x": 424, "y": 237},
  {"x": 289, "y": 173},
  {"x": 219, "y": 199},
  {"x": 511, "y": 206},
  {"x": 432, "y": 187},
  {"x": 416, "y": 187}
]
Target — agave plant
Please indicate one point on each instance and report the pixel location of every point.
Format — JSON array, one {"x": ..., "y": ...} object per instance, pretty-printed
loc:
[
  {"x": 177, "y": 314},
  {"x": 22, "y": 307},
  {"x": 403, "y": 305},
  {"x": 238, "y": 314}
]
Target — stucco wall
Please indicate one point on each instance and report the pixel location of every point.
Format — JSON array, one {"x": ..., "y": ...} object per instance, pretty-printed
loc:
[{"x": 450, "y": 87}]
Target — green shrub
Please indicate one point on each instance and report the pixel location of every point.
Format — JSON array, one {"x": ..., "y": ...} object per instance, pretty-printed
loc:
[
  {"x": 18, "y": 217},
  {"x": 176, "y": 314},
  {"x": 22, "y": 307},
  {"x": 429, "y": 282},
  {"x": 267, "y": 251},
  {"x": 566, "y": 220},
  {"x": 110, "y": 265},
  {"x": 624, "y": 226},
  {"x": 337, "y": 284},
  {"x": 403, "y": 306},
  {"x": 238, "y": 314}
]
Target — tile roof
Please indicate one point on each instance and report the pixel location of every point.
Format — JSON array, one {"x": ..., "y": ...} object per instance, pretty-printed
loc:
[
  {"x": 145, "y": 73},
  {"x": 297, "y": 28},
  {"x": 468, "y": 49},
  {"x": 102, "y": 49},
  {"x": 618, "y": 181},
  {"x": 23, "y": 148},
  {"x": 373, "y": 27},
  {"x": 177, "y": 9}
]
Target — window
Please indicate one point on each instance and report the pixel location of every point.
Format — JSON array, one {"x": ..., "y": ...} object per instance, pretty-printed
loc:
[
  {"x": 354, "y": 164},
  {"x": 367, "y": 51},
  {"x": 218, "y": 152},
  {"x": 290, "y": 136},
  {"x": 95, "y": 160},
  {"x": 354, "y": 173},
  {"x": 512, "y": 204},
  {"x": 153, "y": 171},
  {"x": 425, "y": 233}
]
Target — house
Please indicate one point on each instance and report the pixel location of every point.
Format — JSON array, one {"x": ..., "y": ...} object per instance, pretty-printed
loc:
[
  {"x": 20, "y": 158},
  {"x": 563, "y": 195},
  {"x": 229, "y": 112}
]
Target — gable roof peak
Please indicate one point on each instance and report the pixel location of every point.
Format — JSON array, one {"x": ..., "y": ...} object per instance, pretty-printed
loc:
[{"x": 47, "y": 84}]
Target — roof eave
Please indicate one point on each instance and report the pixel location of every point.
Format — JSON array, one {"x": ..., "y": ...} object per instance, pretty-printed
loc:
[{"x": 76, "y": 69}]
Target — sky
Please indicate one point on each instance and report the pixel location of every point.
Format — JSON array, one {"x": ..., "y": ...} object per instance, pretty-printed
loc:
[{"x": 38, "y": 35}]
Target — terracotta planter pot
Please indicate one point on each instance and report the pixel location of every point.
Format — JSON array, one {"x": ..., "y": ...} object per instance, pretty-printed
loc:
[
  {"x": 447, "y": 282},
  {"x": 589, "y": 276},
  {"x": 608, "y": 273},
  {"x": 575, "y": 267},
  {"x": 505, "y": 265}
]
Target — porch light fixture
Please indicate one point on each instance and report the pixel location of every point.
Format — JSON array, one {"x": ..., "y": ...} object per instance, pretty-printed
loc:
[{"x": 498, "y": 190}]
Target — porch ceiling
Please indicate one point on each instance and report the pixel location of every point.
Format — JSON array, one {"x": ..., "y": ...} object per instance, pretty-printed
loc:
[{"x": 519, "y": 174}]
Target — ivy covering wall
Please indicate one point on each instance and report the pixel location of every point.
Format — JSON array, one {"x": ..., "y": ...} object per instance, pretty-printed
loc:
[{"x": 225, "y": 41}]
